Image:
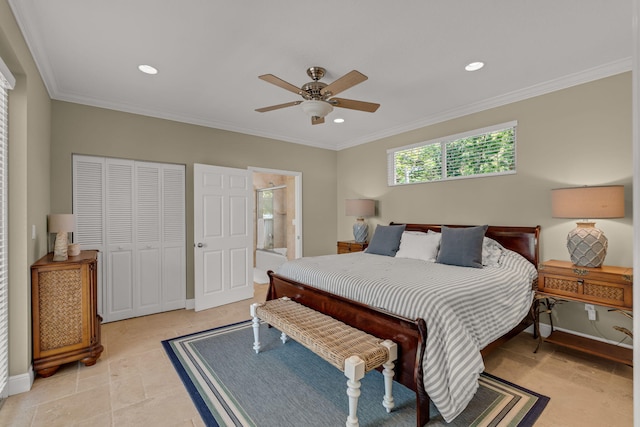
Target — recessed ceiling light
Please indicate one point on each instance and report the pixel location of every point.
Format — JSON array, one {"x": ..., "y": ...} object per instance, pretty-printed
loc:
[
  {"x": 338, "y": 120},
  {"x": 474, "y": 66},
  {"x": 147, "y": 69}
]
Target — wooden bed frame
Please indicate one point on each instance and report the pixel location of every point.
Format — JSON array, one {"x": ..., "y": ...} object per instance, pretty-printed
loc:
[{"x": 409, "y": 334}]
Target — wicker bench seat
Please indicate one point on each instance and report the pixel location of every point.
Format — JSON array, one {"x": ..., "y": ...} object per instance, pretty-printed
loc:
[{"x": 351, "y": 350}]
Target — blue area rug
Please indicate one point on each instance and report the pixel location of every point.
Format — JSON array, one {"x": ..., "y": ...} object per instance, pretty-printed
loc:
[{"x": 287, "y": 385}]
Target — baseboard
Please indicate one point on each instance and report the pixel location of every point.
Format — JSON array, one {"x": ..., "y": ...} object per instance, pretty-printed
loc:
[
  {"x": 21, "y": 383},
  {"x": 545, "y": 331},
  {"x": 190, "y": 304}
]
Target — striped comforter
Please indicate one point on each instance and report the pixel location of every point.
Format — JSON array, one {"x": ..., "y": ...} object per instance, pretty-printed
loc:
[{"x": 464, "y": 308}]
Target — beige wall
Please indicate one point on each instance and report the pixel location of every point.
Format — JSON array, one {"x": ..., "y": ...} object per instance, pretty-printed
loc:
[
  {"x": 577, "y": 136},
  {"x": 29, "y": 131},
  {"x": 95, "y": 131},
  {"x": 573, "y": 137}
]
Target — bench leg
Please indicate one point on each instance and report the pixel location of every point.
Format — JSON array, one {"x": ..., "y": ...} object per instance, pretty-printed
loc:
[
  {"x": 256, "y": 327},
  {"x": 284, "y": 338},
  {"x": 388, "y": 373},
  {"x": 354, "y": 371}
]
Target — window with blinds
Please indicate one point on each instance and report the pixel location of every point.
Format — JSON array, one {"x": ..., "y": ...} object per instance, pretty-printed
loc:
[
  {"x": 7, "y": 83},
  {"x": 481, "y": 152}
]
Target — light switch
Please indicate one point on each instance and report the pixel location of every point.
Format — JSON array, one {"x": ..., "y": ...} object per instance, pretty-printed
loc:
[{"x": 33, "y": 232}]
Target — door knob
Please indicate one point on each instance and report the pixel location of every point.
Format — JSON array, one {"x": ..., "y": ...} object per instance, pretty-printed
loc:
[{"x": 200, "y": 245}]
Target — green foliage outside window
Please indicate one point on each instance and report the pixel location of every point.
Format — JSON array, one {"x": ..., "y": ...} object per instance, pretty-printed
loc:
[{"x": 485, "y": 154}]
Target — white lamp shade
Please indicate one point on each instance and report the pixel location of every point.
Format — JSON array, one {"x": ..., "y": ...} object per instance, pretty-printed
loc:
[
  {"x": 62, "y": 222},
  {"x": 315, "y": 108},
  {"x": 360, "y": 207}
]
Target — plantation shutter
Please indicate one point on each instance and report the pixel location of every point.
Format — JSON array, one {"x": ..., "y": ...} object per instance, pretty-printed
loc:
[{"x": 7, "y": 82}]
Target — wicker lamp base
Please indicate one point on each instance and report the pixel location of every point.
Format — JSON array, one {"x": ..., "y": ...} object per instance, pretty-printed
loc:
[{"x": 587, "y": 245}]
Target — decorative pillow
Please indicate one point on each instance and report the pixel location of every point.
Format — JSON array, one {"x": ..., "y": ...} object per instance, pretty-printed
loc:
[
  {"x": 386, "y": 240},
  {"x": 462, "y": 246},
  {"x": 491, "y": 252},
  {"x": 419, "y": 245}
]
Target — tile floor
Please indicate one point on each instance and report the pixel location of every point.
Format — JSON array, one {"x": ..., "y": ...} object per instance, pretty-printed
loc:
[{"x": 134, "y": 384}]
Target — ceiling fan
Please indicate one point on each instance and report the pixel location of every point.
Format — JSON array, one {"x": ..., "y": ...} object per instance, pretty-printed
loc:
[{"x": 318, "y": 101}]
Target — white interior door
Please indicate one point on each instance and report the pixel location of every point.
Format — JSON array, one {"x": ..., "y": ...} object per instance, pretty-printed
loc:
[{"x": 223, "y": 235}]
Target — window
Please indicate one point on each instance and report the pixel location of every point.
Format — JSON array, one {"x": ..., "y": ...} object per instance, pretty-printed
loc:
[
  {"x": 482, "y": 152},
  {"x": 7, "y": 82}
]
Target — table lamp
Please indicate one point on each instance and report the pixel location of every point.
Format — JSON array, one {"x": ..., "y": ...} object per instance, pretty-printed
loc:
[
  {"x": 360, "y": 208},
  {"x": 587, "y": 244},
  {"x": 62, "y": 225}
]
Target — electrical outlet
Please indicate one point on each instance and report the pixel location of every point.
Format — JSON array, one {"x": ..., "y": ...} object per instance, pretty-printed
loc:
[
  {"x": 589, "y": 307},
  {"x": 592, "y": 314}
]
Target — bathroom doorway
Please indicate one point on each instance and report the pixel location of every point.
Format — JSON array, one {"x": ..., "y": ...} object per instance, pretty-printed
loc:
[{"x": 277, "y": 219}]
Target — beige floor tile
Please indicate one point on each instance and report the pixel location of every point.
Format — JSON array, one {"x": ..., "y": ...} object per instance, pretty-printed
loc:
[
  {"x": 134, "y": 383},
  {"x": 73, "y": 409}
]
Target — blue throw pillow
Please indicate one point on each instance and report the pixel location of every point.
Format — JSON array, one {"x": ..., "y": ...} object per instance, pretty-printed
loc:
[
  {"x": 462, "y": 246},
  {"x": 386, "y": 240}
]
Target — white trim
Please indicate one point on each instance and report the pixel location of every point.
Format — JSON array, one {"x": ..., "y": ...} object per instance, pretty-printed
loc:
[
  {"x": 32, "y": 37},
  {"x": 21, "y": 383},
  {"x": 586, "y": 76},
  {"x": 6, "y": 74},
  {"x": 298, "y": 201},
  {"x": 190, "y": 304},
  {"x": 461, "y": 135}
]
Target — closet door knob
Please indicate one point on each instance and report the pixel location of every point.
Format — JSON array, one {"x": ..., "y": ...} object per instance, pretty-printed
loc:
[{"x": 200, "y": 245}]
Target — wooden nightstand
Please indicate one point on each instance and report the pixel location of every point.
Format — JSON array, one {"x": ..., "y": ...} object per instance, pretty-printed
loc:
[
  {"x": 348, "y": 246},
  {"x": 606, "y": 286}
]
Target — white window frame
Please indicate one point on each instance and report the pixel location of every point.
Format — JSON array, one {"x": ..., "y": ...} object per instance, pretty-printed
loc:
[
  {"x": 391, "y": 170},
  {"x": 7, "y": 82}
]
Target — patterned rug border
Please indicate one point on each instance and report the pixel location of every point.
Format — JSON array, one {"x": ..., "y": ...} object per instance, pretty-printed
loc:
[{"x": 196, "y": 394}]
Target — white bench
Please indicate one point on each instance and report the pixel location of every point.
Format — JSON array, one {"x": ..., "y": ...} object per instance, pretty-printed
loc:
[{"x": 351, "y": 350}]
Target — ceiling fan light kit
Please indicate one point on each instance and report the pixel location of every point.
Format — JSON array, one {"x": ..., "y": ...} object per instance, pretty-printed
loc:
[
  {"x": 313, "y": 108},
  {"x": 317, "y": 95}
]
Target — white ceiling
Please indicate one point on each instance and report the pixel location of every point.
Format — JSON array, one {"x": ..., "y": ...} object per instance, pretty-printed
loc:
[{"x": 210, "y": 52}]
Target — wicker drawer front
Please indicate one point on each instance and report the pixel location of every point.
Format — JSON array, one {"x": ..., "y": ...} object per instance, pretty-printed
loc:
[
  {"x": 604, "y": 292},
  {"x": 613, "y": 294},
  {"x": 561, "y": 284}
]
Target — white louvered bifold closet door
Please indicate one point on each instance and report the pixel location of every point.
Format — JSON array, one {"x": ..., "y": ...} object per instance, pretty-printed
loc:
[
  {"x": 144, "y": 233},
  {"x": 148, "y": 238},
  {"x": 174, "y": 268},
  {"x": 119, "y": 231},
  {"x": 88, "y": 207},
  {"x": 7, "y": 82}
]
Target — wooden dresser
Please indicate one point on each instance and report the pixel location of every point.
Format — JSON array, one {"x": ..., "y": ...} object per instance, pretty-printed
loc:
[
  {"x": 66, "y": 324},
  {"x": 347, "y": 246}
]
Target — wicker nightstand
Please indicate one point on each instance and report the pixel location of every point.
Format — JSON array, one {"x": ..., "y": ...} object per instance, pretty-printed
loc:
[{"x": 606, "y": 286}]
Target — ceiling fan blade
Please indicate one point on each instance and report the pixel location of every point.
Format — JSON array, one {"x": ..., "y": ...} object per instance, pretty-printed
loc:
[
  {"x": 351, "y": 104},
  {"x": 317, "y": 120},
  {"x": 281, "y": 83},
  {"x": 276, "y": 107},
  {"x": 350, "y": 79}
]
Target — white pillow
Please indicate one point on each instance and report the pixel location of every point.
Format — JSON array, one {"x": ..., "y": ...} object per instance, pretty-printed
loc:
[
  {"x": 491, "y": 252},
  {"x": 418, "y": 245}
]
